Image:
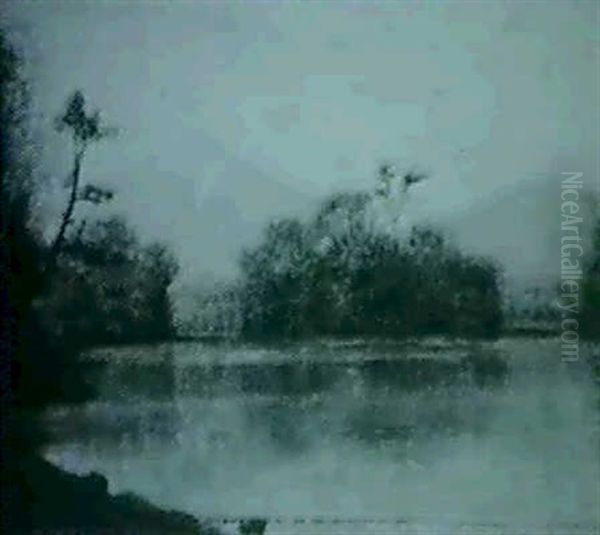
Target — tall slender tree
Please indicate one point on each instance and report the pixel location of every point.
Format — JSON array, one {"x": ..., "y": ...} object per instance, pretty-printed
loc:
[{"x": 85, "y": 128}]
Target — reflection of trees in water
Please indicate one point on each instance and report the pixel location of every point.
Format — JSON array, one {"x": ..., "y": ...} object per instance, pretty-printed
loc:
[
  {"x": 122, "y": 425},
  {"x": 406, "y": 418},
  {"x": 139, "y": 380},
  {"x": 376, "y": 402},
  {"x": 304, "y": 377}
]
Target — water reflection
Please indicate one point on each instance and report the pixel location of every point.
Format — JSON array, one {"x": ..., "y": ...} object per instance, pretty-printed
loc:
[{"x": 506, "y": 433}]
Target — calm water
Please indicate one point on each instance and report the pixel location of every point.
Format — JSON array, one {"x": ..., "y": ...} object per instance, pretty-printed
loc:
[{"x": 438, "y": 435}]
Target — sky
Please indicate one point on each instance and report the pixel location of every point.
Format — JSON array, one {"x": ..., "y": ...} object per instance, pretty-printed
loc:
[{"x": 232, "y": 113}]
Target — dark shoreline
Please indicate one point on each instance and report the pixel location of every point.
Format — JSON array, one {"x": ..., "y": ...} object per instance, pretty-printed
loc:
[{"x": 46, "y": 499}]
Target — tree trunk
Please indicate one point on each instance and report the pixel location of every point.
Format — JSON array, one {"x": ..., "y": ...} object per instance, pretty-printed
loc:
[{"x": 68, "y": 214}]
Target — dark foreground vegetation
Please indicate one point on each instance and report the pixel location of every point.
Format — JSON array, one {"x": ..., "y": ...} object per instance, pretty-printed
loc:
[{"x": 87, "y": 286}]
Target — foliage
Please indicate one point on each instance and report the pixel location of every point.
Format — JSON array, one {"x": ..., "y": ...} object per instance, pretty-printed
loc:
[
  {"x": 590, "y": 314},
  {"x": 36, "y": 365},
  {"x": 51, "y": 309},
  {"x": 84, "y": 128},
  {"x": 110, "y": 288},
  {"x": 41, "y": 366},
  {"x": 106, "y": 287},
  {"x": 338, "y": 275}
]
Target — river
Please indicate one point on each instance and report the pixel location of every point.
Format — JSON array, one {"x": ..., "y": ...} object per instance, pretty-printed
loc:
[{"x": 347, "y": 436}]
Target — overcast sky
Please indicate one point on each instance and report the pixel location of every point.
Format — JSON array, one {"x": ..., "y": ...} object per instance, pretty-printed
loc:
[{"x": 234, "y": 112}]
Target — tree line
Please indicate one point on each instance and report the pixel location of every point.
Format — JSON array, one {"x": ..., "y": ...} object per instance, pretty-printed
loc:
[{"x": 341, "y": 274}]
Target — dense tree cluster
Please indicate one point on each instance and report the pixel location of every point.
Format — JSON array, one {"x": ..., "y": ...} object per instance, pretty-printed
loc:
[
  {"x": 340, "y": 275},
  {"x": 108, "y": 288}
]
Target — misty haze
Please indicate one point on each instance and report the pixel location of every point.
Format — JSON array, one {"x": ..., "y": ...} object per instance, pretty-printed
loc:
[{"x": 300, "y": 267}]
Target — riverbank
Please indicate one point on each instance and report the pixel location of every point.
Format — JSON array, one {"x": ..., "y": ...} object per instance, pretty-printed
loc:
[{"x": 46, "y": 499}]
